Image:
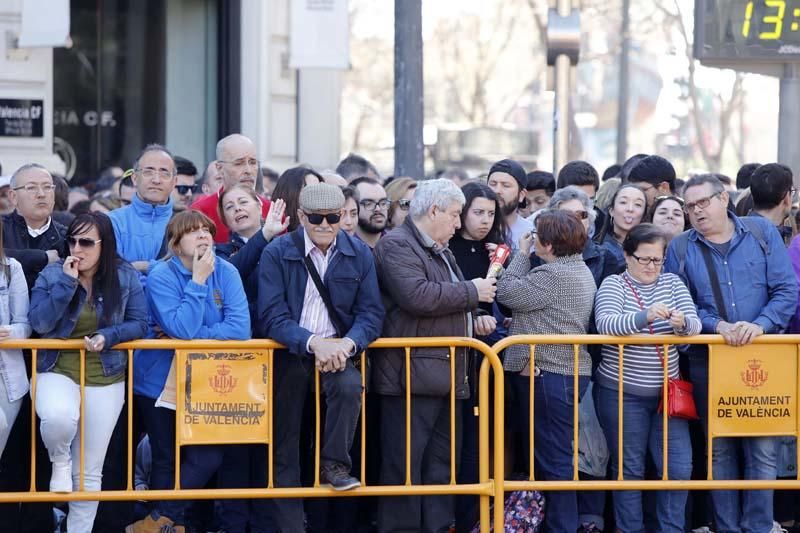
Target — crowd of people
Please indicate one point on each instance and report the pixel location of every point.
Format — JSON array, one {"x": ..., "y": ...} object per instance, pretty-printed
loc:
[{"x": 324, "y": 263}]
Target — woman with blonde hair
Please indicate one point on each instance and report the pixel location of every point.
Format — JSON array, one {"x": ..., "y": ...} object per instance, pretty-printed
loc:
[{"x": 400, "y": 193}]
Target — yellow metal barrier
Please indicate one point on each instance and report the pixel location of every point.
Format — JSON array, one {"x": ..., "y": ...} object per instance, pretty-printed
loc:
[
  {"x": 492, "y": 483},
  {"x": 485, "y": 489},
  {"x": 714, "y": 342}
]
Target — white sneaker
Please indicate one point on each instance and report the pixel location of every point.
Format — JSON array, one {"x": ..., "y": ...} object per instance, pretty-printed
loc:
[
  {"x": 61, "y": 479},
  {"x": 777, "y": 528},
  {"x": 704, "y": 529}
]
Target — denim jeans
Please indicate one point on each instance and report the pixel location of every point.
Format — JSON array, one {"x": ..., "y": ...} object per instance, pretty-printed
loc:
[
  {"x": 553, "y": 446},
  {"x": 760, "y": 455},
  {"x": 643, "y": 433}
]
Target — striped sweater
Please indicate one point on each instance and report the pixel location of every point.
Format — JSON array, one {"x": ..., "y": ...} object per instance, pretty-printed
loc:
[{"x": 617, "y": 312}]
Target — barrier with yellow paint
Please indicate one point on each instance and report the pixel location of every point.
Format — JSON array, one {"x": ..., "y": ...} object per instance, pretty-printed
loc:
[
  {"x": 224, "y": 397},
  {"x": 753, "y": 390},
  {"x": 768, "y": 368}
]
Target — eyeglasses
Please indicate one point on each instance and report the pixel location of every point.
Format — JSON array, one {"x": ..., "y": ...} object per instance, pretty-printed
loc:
[
  {"x": 242, "y": 162},
  {"x": 316, "y": 218},
  {"x": 183, "y": 189},
  {"x": 581, "y": 214},
  {"x": 150, "y": 173},
  {"x": 32, "y": 188},
  {"x": 83, "y": 242},
  {"x": 702, "y": 203},
  {"x": 674, "y": 198},
  {"x": 644, "y": 261},
  {"x": 372, "y": 205},
  {"x": 404, "y": 204}
]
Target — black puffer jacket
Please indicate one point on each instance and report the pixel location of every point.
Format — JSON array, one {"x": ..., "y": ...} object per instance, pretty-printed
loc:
[{"x": 32, "y": 252}]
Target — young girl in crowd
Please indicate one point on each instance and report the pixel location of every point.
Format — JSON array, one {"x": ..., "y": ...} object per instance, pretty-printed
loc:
[
  {"x": 482, "y": 229},
  {"x": 667, "y": 214},
  {"x": 13, "y": 325},
  {"x": 94, "y": 296},
  {"x": 350, "y": 210},
  {"x": 643, "y": 301},
  {"x": 191, "y": 295},
  {"x": 626, "y": 212}
]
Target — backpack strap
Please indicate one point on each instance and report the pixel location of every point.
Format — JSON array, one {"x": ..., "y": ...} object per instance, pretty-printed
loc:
[{"x": 758, "y": 232}]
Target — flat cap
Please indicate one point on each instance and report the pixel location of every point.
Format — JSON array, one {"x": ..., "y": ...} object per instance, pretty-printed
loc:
[{"x": 321, "y": 197}]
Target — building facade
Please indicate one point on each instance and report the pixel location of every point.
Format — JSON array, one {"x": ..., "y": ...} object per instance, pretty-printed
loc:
[{"x": 183, "y": 73}]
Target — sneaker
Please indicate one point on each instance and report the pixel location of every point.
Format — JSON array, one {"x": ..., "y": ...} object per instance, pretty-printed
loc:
[
  {"x": 61, "y": 479},
  {"x": 151, "y": 525},
  {"x": 777, "y": 528},
  {"x": 589, "y": 527},
  {"x": 704, "y": 529},
  {"x": 339, "y": 477}
]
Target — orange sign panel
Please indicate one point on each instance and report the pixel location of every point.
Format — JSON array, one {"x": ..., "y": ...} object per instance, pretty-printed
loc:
[
  {"x": 223, "y": 397},
  {"x": 753, "y": 390}
]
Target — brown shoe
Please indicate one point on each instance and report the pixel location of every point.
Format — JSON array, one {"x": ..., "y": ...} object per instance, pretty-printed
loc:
[{"x": 150, "y": 525}]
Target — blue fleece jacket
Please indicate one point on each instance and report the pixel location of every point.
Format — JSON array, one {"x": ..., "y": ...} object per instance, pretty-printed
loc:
[
  {"x": 182, "y": 309},
  {"x": 140, "y": 229}
]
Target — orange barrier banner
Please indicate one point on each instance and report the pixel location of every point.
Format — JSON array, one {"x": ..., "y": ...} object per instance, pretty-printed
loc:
[
  {"x": 753, "y": 390},
  {"x": 224, "y": 396}
]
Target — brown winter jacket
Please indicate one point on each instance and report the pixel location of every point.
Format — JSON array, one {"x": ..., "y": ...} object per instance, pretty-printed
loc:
[{"x": 421, "y": 300}]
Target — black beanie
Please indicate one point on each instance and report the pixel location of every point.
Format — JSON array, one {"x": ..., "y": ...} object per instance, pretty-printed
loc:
[
  {"x": 653, "y": 169},
  {"x": 514, "y": 169}
]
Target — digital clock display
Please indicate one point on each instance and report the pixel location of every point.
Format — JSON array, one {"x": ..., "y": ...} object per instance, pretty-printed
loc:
[{"x": 766, "y": 30}]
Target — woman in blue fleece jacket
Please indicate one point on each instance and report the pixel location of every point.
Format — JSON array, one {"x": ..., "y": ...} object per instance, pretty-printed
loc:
[{"x": 191, "y": 295}]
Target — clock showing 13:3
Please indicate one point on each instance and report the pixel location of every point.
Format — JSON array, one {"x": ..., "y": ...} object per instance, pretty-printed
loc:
[{"x": 770, "y": 20}]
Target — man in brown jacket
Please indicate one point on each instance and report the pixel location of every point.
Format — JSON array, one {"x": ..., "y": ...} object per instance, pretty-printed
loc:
[{"x": 425, "y": 295}]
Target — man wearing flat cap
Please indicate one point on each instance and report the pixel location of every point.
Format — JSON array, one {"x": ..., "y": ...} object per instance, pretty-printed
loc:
[
  {"x": 508, "y": 180},
  {"x": 324, "y": 323}
]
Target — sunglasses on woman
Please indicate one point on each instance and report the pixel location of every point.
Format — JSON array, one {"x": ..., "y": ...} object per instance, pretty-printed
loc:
[
  {"x": 404, "y": 204},
  {"x": 83, "y": 242},
  {"x": 316, "y": 218},
  {"x": 183, "y": 189}
]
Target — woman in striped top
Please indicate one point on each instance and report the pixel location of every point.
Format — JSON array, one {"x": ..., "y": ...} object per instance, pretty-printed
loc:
[{"x": 642, "y": 300}]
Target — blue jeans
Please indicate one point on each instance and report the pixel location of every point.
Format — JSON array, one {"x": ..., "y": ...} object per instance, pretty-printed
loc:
[
  {"x": 553, "y": 446},
  {"x": 642, "y": 433},
  {"x": 760, "y": 455},
  {"x": 199, "y": 464}
]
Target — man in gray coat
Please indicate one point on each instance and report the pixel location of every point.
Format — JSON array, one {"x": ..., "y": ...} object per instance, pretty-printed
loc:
[{"x": 425, "y": 295}]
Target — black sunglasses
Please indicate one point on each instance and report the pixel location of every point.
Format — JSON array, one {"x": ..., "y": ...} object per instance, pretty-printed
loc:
[
  {"x": 183, "y": 189},
  {"x": 404, "y": 204},
  {"x": 316, "y": 218},
  {"x": 85, "y": 242}
]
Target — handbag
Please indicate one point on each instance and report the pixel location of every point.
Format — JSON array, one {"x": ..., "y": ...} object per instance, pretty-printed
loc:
[{"x": 680, "y": 399}]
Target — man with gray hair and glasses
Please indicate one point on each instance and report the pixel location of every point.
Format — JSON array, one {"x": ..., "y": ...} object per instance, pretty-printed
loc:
[
  {"x": 238, "y": 165},
  {"x": 140, "y": 226},
  {"x": 30, "y": 235},
  {"x": 743, "y": 284},
  {"x": 425, "y": 295}
]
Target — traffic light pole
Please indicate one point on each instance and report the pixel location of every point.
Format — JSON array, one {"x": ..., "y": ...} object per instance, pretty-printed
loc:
[
  {"x": 409, "y": 156},
  {"x": 563, "y": 49}
]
